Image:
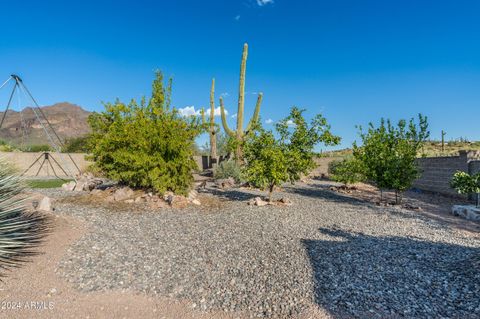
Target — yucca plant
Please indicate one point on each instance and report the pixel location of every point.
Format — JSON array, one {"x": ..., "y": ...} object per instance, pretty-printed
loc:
[{"x": 20, "y": 230}]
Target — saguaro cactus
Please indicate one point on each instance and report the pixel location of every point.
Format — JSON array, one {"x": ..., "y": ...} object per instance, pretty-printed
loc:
[
  {"x": 212, "y": 128},
  {"x": 239, "y": 134}
]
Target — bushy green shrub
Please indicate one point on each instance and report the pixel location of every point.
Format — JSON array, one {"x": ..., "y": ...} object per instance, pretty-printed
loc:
[
  {"x": 271, "y": 161},
  {"x": 388, "y": 153},
  {"x": 347, "y": 171},
  {"x": 19, "y": 232},
  {"x": 37, "y": 148},
  {"x": 76, "y": 145},
  {"x": 227, "y": 169},
  {"x": 146, "y": 145},
  {"x": 467, "y": 184}
]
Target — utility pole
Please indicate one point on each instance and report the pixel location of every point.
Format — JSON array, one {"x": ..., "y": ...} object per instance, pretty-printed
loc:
[{"x": 443, "y": 141}]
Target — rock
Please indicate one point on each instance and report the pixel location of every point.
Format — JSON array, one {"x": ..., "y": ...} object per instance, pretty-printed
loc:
[
  {"x": 469, "y": 212},
  {"x": 196, "y": 202},
  {"x": 169, "y": 197},
  {"x": 122, "y": 194},
  {"x": 225, "y": 183},
  {"x": 45, "y": 204},
  {"x": 129, "y": 201},
  {"x": 257, "y": 201},
  {"x": 69, "y": 186},
  {"x": 192, "y": 195},
  {"x": 285, "y": 201}
]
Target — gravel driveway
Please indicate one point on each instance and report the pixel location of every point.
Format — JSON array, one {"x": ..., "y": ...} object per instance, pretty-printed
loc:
[{"x": 344, "y": 255}]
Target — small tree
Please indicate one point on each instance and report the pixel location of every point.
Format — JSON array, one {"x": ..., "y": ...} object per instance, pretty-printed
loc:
[
  {"x": 467, "y": 184},
  {"x": 271, "y": 161},
  {"x": 389, "y": 153},
  {"x": 266, "y": 162},
  {"x": 147, "y": 145},
  {"x": 347, "y": 171}
]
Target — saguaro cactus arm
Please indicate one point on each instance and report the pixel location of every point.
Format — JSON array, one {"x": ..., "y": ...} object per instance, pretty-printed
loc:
[
  {"x": 212, "y": 107},
  {"x": 241, "y": 90},
  {"x": 256, "y": 114},
  {"x": 224, "y": 120}
]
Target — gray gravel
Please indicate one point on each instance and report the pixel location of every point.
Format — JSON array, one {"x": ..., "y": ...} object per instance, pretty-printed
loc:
[{"x": 348, "y": 257}]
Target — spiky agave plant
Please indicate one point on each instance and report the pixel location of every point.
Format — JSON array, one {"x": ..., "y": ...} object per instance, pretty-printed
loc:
[{"x": 20, "y": 230}]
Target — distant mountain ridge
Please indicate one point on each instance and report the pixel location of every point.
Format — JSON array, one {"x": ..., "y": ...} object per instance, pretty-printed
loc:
[{"x": 68, "y": 120}]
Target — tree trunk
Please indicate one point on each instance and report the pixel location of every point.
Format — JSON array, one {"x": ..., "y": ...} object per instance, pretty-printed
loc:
[{"x": 270, "y": 192}]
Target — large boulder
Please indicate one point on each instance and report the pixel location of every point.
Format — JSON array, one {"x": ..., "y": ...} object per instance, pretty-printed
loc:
[{"x": 122, "y": 194}]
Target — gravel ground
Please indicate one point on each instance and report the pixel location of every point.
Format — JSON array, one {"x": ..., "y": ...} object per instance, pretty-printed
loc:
[{"x": 346, "y": 256}]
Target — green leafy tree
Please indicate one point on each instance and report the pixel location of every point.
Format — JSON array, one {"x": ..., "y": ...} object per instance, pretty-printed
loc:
[
  {"x": 467, "y": 184},
  {"x": 347, "y": 171},
  {"x": 388, "y": 153},
  {"x": 266, "y": 163},
  {"x": 146, "y": 145},
  {"x": 271, "y": 161},
  {"x": 298, "y": 139},
  {"x": 76, "y": 145}
]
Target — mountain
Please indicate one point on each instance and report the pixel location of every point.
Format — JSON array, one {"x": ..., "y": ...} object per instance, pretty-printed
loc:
[{"x": 68, "y": 120}]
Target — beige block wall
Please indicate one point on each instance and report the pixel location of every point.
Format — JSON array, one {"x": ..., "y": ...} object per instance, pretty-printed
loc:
[{"x": 22, "y": 161}]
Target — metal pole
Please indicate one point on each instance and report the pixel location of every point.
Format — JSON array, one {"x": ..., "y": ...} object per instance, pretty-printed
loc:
[{"x": 8, "y": 105}]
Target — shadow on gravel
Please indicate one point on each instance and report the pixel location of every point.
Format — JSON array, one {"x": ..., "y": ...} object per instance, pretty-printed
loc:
[
  {"x": 230, "y": 194},
  {"x": 323, "y": 191},
  {"x": 362, "y": 276}
]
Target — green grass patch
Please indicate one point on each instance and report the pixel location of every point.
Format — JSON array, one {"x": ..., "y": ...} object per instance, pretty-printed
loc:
[{"x": 46, "y": 183}]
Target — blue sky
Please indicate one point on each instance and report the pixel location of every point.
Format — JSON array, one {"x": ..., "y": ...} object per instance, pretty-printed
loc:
[{"x": 353, "y": 61}]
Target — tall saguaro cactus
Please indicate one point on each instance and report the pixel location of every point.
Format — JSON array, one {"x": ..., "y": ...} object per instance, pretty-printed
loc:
[
  {"x": 239, "y": 134},
  {"x": 212, "y": 129}
]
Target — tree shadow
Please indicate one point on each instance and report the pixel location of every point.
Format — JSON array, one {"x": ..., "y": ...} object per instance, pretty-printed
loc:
[
  {"x": 323, "y": 191},
  {"x": 231, "y": 194},
  {"x": 363, "y": 276}
]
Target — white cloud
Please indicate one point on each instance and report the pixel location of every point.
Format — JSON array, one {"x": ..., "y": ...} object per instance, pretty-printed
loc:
[
  {"x": 268, "y": 121},
  {"x": 188, "y": 111},
  {"x": 234, "y": 116},
  {"x": 261, "y": 3},
  {"x": 217, "y": 112},
  {"x": 237, "y": 17},
  {"x": 290, "y": 123},
  {"x": 224, "y": 94}
]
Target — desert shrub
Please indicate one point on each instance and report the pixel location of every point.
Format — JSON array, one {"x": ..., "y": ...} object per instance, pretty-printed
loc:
[
  {"x": 388, "y": 153},
  {"x": 146, "y": 145},
  {"x": 227, "y": 169},
  {"x": 37, "y": 148},
  {"x": 6, "y": 147},
  {"x": 20, "y": 232},
  {"x": 76, "y": 145},
  {"x": 271, "y": 161},
  {"x": 347, "y": 171},
  {"x": 467, "y": 184}
]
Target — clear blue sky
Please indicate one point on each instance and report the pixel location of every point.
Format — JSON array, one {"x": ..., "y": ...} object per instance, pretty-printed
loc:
[{"x": 354, "y": 61}]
